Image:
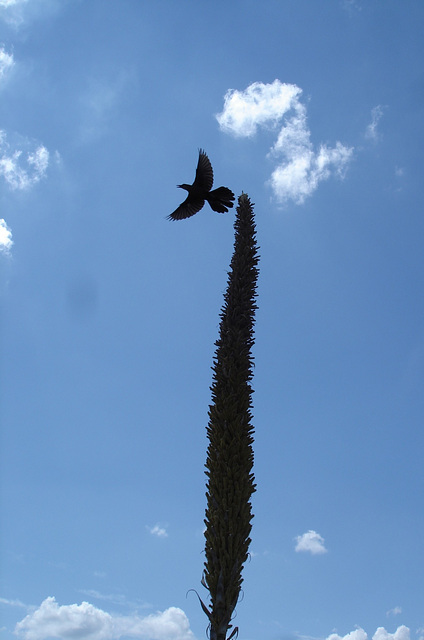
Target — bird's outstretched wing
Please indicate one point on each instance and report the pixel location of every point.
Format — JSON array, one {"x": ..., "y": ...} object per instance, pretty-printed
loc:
[
  {"x": 186, "y": 209},
  {"x": 204, "y": 172}
]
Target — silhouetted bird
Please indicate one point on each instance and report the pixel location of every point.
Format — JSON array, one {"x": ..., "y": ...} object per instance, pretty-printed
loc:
[{"x": 220, "y": 199}]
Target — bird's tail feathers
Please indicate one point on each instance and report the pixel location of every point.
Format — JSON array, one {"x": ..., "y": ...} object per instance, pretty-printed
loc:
[{"x": 221, "y": 199}]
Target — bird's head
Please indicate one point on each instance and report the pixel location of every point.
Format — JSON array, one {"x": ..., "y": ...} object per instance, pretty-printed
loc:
[{"x": 184, "y": 186}]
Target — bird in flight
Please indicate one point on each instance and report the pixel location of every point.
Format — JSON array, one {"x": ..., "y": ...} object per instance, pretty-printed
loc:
[{"x": 220, "y": 199}]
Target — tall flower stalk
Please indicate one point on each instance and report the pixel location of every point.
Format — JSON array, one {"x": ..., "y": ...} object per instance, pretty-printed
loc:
[{"x": 229, "y": 464}]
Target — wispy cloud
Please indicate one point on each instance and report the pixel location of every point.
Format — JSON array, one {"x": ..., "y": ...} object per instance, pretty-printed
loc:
[
  {"x": 158, "y": 531},
  {"x": 401, "y": 633},
  {"x": 371, "y": 131},
  {"x": 6, "y": 62},
  {"x": 20, "y": 12},
  {"x": 13, "y": 603},
  {"x": 6, "y": 242},
  {"x": 7, "y": 4},
  {"x": 311, "y": 542},
  {"x": 351, "y": 6},
  {"x": 114, "y": 598},
  {"x": 12, "y": 11},
  {"x": 86, "y": 622},
  {"x": 300, "y": 167},
  {"x": 22, "y": 169},
  {"x": 394, "y": 612},
  {"x": 98, "y": 104}
]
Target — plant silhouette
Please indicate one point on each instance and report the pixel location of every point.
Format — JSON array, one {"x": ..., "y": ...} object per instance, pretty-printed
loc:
[{"x": 229, "y": 464}]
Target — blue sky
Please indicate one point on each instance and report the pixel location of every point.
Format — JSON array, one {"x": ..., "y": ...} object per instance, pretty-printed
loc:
[{"x": 109, "y": 312}]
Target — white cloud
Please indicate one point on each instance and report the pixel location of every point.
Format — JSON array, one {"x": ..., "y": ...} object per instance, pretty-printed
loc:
[
  {"x": 300, "y": 168},
  {"x": 86, "y": 622},
  {"x": 22, "y": 170},
  {"x": 312, "y": 542},
  {"x": 158, "y": 531},
  {"x": 371, "y": 130},
  {"x": 5, "y": 247},
  {"x": 394, "y": 612},
  {"x": 357, "y": 634},
  {"x": 6, "y": 62},
  {"x": 300, "y": 176},
  {"x": 259, "y": 104},
  {"x": 39, "y": 160},
  {"x": 401, "y": 633}
]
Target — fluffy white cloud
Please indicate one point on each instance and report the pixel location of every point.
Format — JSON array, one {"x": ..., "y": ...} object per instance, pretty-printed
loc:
[
  {"x": 259, "y": 104},
  {"x": 158, "y": 531},
  {"x": 401, "y": 633},
  {"x": 300, "y": 168},
  {"x": 304, "y": 169},
  {"x": 5, "y": 237},
  {"x": 357, "y": 634},
  {"x": 86, "y": 622},
  {"x": 312, "y": 542},
  {"x": 371, "y": 130},
  {"x": 22, "y": 170}
]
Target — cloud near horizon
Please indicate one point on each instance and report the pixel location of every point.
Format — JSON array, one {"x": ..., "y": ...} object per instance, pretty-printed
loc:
[
  {"x": 401, "y": 633},
  {"x": 300, "y": 168},
  {"x": 86, "y": 622},
  {"x": 311, "y": 542}
]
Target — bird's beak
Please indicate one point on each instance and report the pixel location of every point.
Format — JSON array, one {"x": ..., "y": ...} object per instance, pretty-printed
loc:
[{"x": 179, "y": 186}]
